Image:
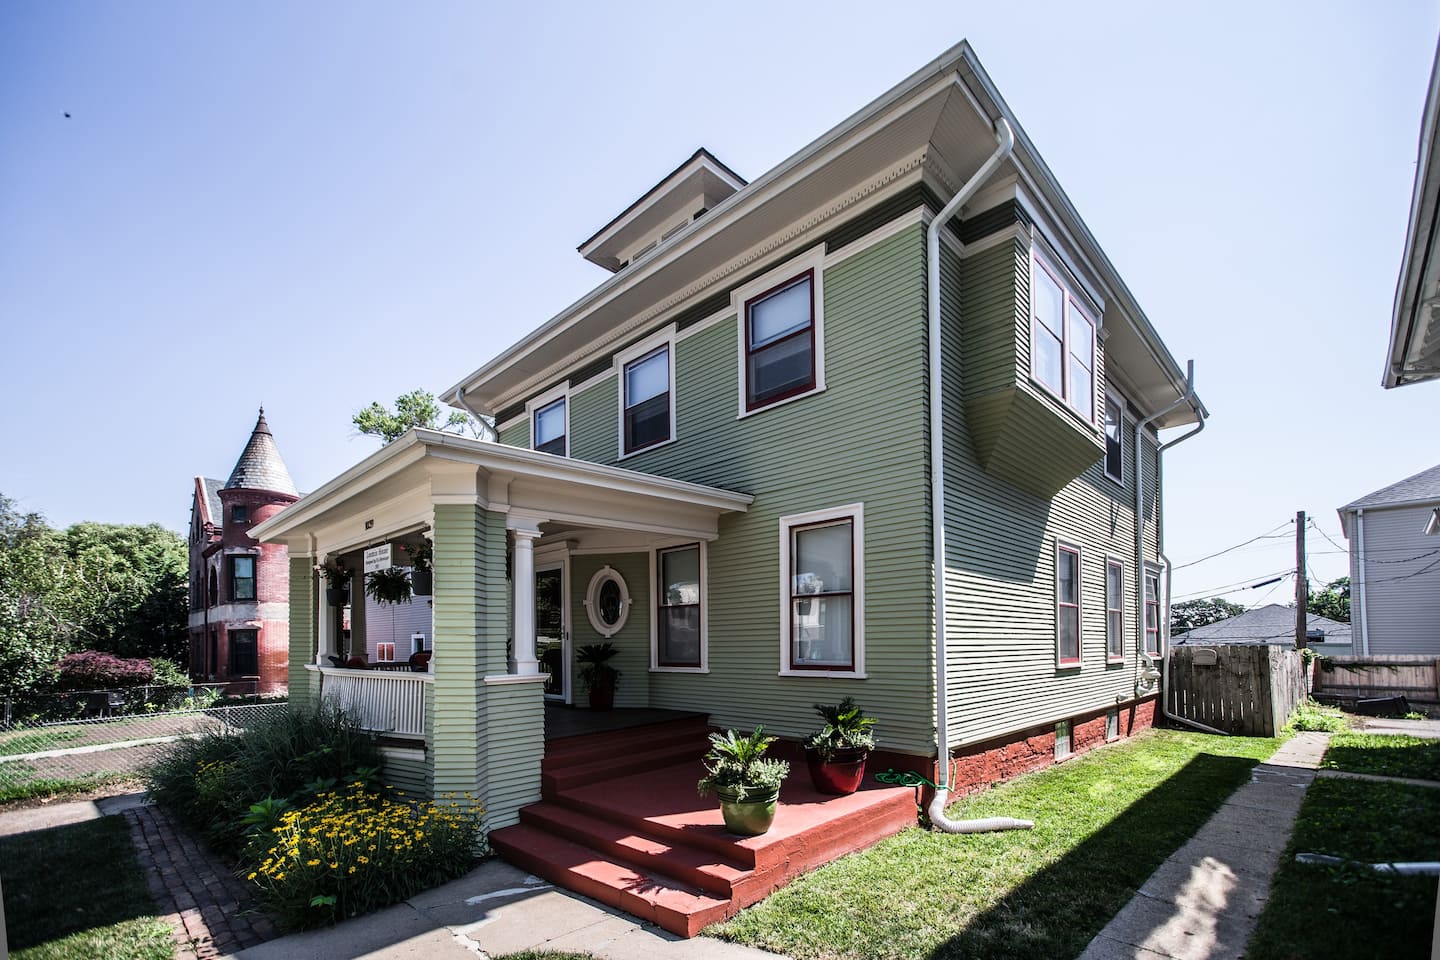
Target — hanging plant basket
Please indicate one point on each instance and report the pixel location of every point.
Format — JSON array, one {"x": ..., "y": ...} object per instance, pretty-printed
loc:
[
  {"x": 337, "y": 596},
  {"x": 388, "y": 586},
  {"x": 423, "y": 581}
]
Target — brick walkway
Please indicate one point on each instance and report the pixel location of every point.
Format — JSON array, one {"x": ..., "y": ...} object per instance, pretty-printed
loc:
[{"x": 210, "y": 909}]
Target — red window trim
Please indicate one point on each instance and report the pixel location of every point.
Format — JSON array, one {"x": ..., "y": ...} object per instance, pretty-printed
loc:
[
  {"x": 808, "y": 331},
  {"x": 660, "y": 604},
  {"x": 1149, "y": 603},
  {"x": 1060, "y": 659},
  {"x": 849, "y": 666},
  {"x": 563, "y": 439},
  {"x": 625, "y": 421},
  {"x": 1112, "y": 563}
]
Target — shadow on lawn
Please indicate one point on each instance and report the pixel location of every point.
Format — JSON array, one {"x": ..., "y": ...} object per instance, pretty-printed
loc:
[{"x": 1060, "y": 909}]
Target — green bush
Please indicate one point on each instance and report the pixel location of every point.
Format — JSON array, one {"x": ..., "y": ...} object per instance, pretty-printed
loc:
[
  {"x": 1315, "y": 716},
  {"x": 354, "y": 850},
  {"x": 212, "y": 781}
]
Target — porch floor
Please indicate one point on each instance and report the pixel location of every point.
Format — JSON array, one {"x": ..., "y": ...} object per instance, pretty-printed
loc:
[
  {"x": 562, "y": 720},
  {"x": 621, "y": 822}
]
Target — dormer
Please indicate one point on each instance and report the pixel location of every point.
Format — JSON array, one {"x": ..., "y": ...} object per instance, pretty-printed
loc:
[{"x": 680, "y": 199}]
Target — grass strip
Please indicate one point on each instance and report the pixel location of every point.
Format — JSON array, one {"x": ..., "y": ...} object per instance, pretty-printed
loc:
[
  {"x": 1352, "y": 912},
  {"x": 77, "y": 891},
  {"x": 1384, "y": 755},
  {"x": 1103, "y": 822},
  {"x": 57, "y": 788}
]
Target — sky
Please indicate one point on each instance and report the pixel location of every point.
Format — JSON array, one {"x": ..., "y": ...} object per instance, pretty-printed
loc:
[{"x": 313, "y": 206}]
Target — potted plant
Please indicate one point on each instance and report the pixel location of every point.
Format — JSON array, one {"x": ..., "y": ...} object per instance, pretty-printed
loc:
[
  {"x": 599, "y": 677},
  {"x": 747, "y": 784},
  {"x": 422, "y": 577},
  {"x": 337, "y": 583},
  {"x": 836, "y": 755},
  {"x": 391, "y": 585}
]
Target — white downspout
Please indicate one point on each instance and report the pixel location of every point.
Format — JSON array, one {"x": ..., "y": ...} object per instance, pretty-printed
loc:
[
  {"x": 1163, "y": 626},
  {"x": 1360, "y": 569},
  {"x": 1005, "y": 138},
  {"x": 487, "y": 431}
]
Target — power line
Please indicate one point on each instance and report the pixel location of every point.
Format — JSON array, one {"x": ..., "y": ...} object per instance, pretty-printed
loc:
[
  {"x": 1249, "y": 583},
  {"x": 1328, "y": 537},
  {"x": 1267, "y": 535}
]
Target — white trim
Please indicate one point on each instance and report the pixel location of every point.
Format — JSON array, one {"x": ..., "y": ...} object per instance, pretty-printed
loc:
[
  {"x": 703, "y": 325},
  {"x": 664, "y": 337},
  {"x": 607, "y": 574},
  {"x": 657, "y": 193},
  {"x": 1110, "y": 658},
  {"x": 1079, "y": 661},
  {"x": 537, "y": 403},
  {"x": 855, "y": 513},
  {"x": 655, "y": 666},
  {"x": 500, "y": 679},
  {"x": 813, "y": 260},
  {"x": 402, "y": 753},
  {"x": 879, "y": 235},
  {"x": 1040, "y": 256},
  {"x": 1113, "y": 396},
  {"x": 557, "y": 557}
]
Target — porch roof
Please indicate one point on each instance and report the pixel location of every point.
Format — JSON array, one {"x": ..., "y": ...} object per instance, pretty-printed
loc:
[{"x": 396, "y": 488}]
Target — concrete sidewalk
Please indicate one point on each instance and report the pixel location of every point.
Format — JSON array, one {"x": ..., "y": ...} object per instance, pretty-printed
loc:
[
  {"x": 492, "y": 911},
  {"x": 1203, "y": 902}
]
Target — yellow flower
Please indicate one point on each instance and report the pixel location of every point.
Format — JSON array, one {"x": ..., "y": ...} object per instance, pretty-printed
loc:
[
  {"x": 312, "y": 863},
  {"x": 352, "y": 869}
]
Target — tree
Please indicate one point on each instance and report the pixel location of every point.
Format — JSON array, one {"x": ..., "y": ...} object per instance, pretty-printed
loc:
[
  {"x": 1198, "y": 613},
  {"x": 418, "y": 408},
  {"x": 1333, "y": 601},
  {"x": 35, "y": 621}
]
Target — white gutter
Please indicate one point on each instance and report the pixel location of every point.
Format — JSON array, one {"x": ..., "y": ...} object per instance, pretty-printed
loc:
[
  {"x": 1163, "y": 627},
  {"x": 1360, "y": 569},
  {"x": 1005, "y": 138}
]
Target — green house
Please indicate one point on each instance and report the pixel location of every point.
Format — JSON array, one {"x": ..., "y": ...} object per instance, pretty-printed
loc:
[{"x": 743, "y": 458}]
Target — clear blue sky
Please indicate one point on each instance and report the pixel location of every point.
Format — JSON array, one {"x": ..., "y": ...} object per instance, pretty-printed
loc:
[{"x": 312, "y": 206}]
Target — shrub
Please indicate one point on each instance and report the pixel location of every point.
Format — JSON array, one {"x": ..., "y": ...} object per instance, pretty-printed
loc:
[
  {"x": 736, "y": 764},
  {"x": 167, "y": 673},
  {"x": 93, "y": 670},
  {"x": 353, "y": 851},
  {"x": 212, "y": 781},
  {"x": 1316, "y": 716}
]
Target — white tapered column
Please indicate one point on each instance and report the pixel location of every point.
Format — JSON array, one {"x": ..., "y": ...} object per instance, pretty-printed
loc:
[{"x": 523, "y": 572}]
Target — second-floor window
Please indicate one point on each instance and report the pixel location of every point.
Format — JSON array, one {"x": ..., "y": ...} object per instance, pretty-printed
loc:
[
  {"x": 1114, "y": 443},
  {"x": 549, "y": 428},
  {"x": 1062, "y": 340},
  {"x": 780, "y": 343},
  {"x": 242, "y": 578},
  {"x": 646, "y": 403}
]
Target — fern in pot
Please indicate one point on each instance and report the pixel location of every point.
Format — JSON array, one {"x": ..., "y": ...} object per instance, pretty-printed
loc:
[
  {"x": 746, "y": 782},
  {"x": 836, "y": 755},
  {"x": 391, "y": 585}
]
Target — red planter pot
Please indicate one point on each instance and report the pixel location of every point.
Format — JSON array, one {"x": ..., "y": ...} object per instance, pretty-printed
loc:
[
  {"x": 602, "y": 696},
  {"x": 839, "y": 776}
]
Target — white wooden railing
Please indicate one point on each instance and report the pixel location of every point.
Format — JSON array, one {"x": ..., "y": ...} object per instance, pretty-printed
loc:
[{"x": 385, "y": 702}]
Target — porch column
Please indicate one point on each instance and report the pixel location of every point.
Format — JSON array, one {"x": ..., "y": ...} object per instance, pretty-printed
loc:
[
  {"x": 325, "y": 623},
  {"x": 524, "y": 584}
]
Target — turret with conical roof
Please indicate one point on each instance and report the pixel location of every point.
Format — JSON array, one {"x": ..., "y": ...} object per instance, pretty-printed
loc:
[{"x": 260, "y": 466}]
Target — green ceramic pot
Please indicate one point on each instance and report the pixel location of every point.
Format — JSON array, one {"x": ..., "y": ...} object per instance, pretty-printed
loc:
[{"x": 749, "y": 817}]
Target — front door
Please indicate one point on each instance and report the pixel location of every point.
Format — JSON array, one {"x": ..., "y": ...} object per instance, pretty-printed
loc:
[{"x": 550, "y": 632}]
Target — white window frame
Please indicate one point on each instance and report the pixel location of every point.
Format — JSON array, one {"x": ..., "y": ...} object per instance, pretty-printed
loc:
[
  {"x": 855, "y": 513},
  {"x": 812, "y": 260},
  {"x": 1071, "y": 300},
  {"x": 607, "y": 574},
  {"x": 661, "y": 338},
  {"x": 538, "y": 403},
  {"x": 1152, "y": 571},
  {"x": 655, "y": 666},
  {"x": 1112, "y": 397},
  {"x": 1060, "y": 662},
  {"x": 1113, "y": 561}
]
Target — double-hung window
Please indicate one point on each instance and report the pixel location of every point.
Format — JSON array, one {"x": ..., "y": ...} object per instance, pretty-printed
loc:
[
  {"x": 823, "y": 613},
  {"x": 679, "y": 599},
  {"x": 1114, "y": 443},
  {"x": 1067, "y": 605},
  {"x": 549, "y": 427},
  {"x": 1152, "y": 613},
  {"x": 242, "y": 577},
  {"x": 1114, "y": 610},
  {"x": 782, "y": 350},
  {"x": 647, "y": 392},
  {"x": 1062, "y": 339}
]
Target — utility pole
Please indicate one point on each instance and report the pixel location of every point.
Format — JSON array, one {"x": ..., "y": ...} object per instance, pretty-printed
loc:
[{"x": 1302, "y": 586}]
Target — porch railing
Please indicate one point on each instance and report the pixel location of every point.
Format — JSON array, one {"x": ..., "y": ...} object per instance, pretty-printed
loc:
[{"x": 385, "y": 702}]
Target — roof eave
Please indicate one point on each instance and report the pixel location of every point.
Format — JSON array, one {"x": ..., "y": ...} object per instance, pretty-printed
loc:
[{"x": 1411, "y": 323}]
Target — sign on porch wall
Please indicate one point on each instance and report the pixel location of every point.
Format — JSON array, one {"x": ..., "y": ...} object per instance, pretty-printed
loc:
[{"x": 378, "y": 558}]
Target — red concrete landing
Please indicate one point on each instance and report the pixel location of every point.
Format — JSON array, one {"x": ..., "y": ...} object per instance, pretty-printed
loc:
[{"x": 621, "y": 823}]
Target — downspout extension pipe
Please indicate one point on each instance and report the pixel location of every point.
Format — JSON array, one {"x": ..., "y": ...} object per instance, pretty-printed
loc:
[
  {"x": 1005, "y": 142},
  {"x": 487, "y": 431}
]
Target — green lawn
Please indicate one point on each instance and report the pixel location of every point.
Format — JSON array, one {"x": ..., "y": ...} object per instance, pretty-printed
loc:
[
  {"x": 76, "y": 892},
  {"x": 1103, "y": 822},
  {"x": 1353, "y": 913},
  {"x": 36, "y": 741},
  {"x": 1385, "y": 755}
]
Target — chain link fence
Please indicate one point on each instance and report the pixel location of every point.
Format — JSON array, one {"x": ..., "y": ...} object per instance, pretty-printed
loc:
[{"x": 86, "y": 738}]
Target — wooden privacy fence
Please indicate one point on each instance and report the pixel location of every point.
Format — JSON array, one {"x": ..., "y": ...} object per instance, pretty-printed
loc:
[
  {"x": 1246, "y": 689},
  {"x": 1414, "y": 678}
]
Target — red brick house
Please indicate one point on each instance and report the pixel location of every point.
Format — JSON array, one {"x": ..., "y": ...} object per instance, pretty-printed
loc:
[{"x": 239, "y": 588}]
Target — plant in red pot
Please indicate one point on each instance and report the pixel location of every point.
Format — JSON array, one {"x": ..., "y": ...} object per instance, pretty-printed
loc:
[
  {"x": 599, "y": 677},
  {"x": 836, "y": 755}
]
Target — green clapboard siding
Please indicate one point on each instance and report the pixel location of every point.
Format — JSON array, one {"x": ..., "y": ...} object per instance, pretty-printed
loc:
[
  {"x": 852, "y": 443},
  {"x": 407, "y": 774},
  {"x": 512, "y": 740},
  {"x": 1000, "y": 546},
  {"x": 304, "y": 684},
  {"x": 517, "y": 434},
  {"x": 633, "y": 640}
]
